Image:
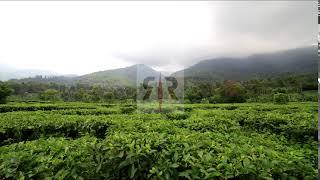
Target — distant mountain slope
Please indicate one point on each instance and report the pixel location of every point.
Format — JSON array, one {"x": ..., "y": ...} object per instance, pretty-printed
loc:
[
  {"x": 297, "y": 61},
  {"x": 300, "y": 60},
  {"x": 7, "y": 72},
  {"x": 66, "y": 79},
  {"x": 118, "y": 77}
]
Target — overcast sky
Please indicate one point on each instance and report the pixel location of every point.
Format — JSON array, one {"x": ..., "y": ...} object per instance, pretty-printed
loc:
[{"x": 83, "y": 37}]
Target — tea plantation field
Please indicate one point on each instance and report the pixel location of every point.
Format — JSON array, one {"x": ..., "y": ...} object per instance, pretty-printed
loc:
[{"x": 194, "y": 141}]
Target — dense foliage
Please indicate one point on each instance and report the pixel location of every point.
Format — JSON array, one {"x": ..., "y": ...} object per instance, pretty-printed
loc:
[
  {"x": 298, "y": 88},
  {"x": 5, "y": 91},
  {"x": 280, "y": 98},
  {"x": 193, "y": 141}
]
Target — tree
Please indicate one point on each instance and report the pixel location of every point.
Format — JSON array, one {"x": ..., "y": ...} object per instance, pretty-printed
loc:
[
  {"x": 50, "y": 95},
  {"x": 108, "y": 96},
  {"x": 96, "y": 94},
  {"x": 81, "y": 95},
  {"x": 193, "y": 94},
  {"x": 231, "y": 92},
  {"x": 5, "y": 91}
]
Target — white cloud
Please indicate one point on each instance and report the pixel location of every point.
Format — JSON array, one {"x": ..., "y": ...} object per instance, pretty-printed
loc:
[{"x": 82, "y": 37}]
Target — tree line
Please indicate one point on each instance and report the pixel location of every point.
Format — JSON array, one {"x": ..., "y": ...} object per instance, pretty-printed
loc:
[
  {"x": 301, "y": 87},
  {"x": 196, "y": 90}
]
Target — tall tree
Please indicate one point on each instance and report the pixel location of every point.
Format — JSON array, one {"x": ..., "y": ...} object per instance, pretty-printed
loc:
[{"x": 5, "y": 91}]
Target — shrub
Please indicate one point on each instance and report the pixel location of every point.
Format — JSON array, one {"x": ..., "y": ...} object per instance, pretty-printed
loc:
[
  {"x": 127, "y": 110},
  {"x": 179, "y": 115},
  {"x": 50, "y": 95},
  {"x": 280, "y": 90},
  {"x": 216, "y": 99},
  {"x": 280, "y": 98},
  {"x": 187, "y": 101},
  {"x": 295, "y": 97},
  {"x": 311, "y": 97},
  {"x": 204, "y": 101}
]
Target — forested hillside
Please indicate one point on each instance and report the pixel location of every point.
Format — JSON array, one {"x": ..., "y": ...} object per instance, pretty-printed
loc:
[
  {"x": 268, "y": 65},
  {"x": 300, "y": 60},
  {"x": 118, "y": 77},
  {"x": 256, "y": 78}
]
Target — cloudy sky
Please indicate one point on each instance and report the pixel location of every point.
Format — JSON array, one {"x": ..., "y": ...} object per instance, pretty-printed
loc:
[{"x": 82, "y": 37}]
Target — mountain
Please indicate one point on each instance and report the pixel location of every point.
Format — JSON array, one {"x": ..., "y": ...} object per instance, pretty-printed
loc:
[
  {"x": 299, "y": 60},
  {"x": 7, "y": 72},
  {"x": 68, "y": 80},
  {"x": 127, "y": 76},
  {"x": 118, "y": 77}
]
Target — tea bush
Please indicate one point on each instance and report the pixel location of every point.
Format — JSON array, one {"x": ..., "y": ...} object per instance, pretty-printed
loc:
[{"x": 193, "y": 141}]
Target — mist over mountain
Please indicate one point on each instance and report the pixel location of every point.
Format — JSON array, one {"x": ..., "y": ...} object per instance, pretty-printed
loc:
[
  {"x": 300, "y": 60},
  {"x": 297, "y": 61},
  {"x": 8, "y": 72},
  {"x": 118, "y": 77}
]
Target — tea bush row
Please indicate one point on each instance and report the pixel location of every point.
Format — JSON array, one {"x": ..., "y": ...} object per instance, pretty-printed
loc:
[
  {"x": 22, "y": 127},
  {"x": 209, "y": 155}
]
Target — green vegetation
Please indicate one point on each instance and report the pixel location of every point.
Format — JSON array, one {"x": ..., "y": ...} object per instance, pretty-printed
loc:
[
  {"x": 191, "y": 141},
  {"x": 5, "y": 91},
  {"x": 50, "y": 95},
  {"x": 295, "y": 61},
  {"x": 298, "y": 88},
  {"x": 280, "y": 98},
  {"x": 247, "y": 118}
]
